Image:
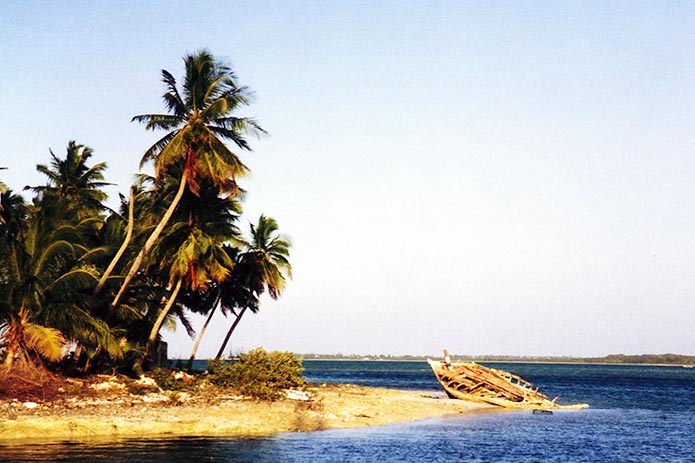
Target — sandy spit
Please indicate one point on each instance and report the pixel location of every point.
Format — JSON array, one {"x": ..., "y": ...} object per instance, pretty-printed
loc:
[{"x": 331, "y": 406}]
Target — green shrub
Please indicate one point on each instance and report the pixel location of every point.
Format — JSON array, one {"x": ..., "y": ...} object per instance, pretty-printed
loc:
[
  {"x": 165, "y": 379},
  {"x": 259, "y": 374}
]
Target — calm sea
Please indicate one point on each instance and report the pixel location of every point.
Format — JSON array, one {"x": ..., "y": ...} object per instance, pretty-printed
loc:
[{"x": 637, "y": 414}]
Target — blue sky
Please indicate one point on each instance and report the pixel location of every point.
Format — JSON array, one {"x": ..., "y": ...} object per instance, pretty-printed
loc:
[{"x": 487, "y": 177}]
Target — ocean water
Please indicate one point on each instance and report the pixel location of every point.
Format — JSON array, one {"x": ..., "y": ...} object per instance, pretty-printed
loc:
[{"x": 637, "y": 414}]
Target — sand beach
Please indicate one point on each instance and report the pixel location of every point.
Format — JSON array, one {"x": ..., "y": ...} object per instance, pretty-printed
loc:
[{"x": 122, "y": 415}]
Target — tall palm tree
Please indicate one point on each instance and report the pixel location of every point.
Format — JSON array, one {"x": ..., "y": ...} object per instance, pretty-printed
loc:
[
  {"x": 199, "y": 121},
  {"x": 264, "y": 266}
]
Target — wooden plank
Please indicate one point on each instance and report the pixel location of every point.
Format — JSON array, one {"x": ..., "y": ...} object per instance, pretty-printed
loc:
[{"x": 470, "y": 381}]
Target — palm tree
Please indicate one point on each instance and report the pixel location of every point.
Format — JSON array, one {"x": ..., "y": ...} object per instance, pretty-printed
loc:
[
  {"x": 42, "y": 298},
  {"x": 47, "y": 269},
  {"x": 263, "y": 266},
  {"x": 72, "y": 179},
  {"x": 199, "y": 121},
  {"x": 229, "y": 295},
  {"x": 199, "y": 258},
  {"x": 72, "y": 197}
]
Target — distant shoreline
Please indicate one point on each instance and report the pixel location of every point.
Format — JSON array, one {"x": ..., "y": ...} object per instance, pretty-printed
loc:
[{"x": 534, "y": 362}]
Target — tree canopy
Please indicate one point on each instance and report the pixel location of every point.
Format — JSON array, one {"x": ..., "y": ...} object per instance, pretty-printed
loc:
[{"x": 84, "y": 287}]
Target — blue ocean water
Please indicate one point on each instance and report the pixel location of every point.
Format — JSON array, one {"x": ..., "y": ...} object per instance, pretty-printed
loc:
[{"x": 637, "y": 414}]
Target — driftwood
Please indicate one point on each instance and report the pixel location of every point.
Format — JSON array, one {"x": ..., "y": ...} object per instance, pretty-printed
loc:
[{"x": 470, "y": 381}]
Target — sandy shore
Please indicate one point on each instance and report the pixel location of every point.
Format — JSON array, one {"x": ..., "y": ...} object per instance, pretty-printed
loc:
[{"x": 331, "y": 406}]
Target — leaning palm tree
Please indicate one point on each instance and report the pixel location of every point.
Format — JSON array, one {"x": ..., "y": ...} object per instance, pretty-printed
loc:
[
  {"x": 263, "y": 266},
  {"x": 192, "y": 250},
  {"x": 199, "y": 121},
  {"x": 229, "y": 296}
]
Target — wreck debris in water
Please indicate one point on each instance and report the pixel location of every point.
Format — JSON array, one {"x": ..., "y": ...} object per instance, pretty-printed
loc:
[{"x": 470, "y": 381}]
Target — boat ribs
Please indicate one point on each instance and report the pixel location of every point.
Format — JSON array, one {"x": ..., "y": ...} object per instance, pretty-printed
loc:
[{"x": 470, "y": 381}]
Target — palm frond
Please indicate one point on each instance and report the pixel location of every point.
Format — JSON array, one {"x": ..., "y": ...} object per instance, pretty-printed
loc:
[
  {"x": 154, "y": 150},
  {"x": 45, "y": 341},
  {"x": 172, "y": 98},
  {"x": 240, "y": 124},
  {"x": 185, "y": 321},
  {"x": 53, "y": 250},
  {"x": 73, "y": 281},
  {"x": 159, "y": 121},
  {"x": 220, "y": 151},
  {"x": 231, "y": 135}
]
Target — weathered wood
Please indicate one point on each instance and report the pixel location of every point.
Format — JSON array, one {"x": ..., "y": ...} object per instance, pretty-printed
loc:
[{"x": 470, "y": 381}]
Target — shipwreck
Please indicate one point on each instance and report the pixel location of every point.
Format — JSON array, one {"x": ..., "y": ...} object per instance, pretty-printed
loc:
[{"x": 470, "y": 381}]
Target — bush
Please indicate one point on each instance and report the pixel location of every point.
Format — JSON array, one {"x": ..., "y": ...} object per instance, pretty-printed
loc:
[
  {"x": 166, "y": 380},
  {"x": 259, "y": 374}
]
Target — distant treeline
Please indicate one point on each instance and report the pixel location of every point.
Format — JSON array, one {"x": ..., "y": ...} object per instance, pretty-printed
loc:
[{"x": 618, "y": 359}]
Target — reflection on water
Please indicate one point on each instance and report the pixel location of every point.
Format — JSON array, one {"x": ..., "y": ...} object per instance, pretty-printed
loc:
[{"x": 519, "y": 436}]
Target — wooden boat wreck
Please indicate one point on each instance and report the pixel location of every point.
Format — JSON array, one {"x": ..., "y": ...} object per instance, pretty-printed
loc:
[{"x": 470, "y": 381}]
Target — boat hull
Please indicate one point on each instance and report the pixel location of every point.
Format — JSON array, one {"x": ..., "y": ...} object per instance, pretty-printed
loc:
[{"x": 476, "y": 383}]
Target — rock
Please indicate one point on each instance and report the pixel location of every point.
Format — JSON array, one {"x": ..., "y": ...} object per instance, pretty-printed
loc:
[
  {"x": 146, "y": 381},
  {"x": 183, "y": 376},
  {"x": 111, "y": 384},
  {"x": 294, "y": 394},
  {"x": 30, "y": 405},
  {"x": 153, "y": 398}
]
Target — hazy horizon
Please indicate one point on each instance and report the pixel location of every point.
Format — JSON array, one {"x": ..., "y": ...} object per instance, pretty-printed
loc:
[{"x": 510, "y": 177}]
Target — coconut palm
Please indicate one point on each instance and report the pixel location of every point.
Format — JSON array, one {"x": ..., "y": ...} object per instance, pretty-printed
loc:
[
  {"x": 72, "y": 179},
  {"x": 199, "y": 259},
  {"x": 263, "y": 266},
  {"x": 199, "y": 121},
  {"x": 229, "y": 296},
  {"x": 46, "y": 255},
  {"x": 72, "y": 197},
  {"x": 42, "y": 298}
]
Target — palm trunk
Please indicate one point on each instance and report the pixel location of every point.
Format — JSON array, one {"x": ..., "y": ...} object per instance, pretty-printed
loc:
[
  {"x": 10, "y": 352},
  {"x": 13, "y": 344},
  {"x": 200, "y": 336},
  {"x": 150, "y": 241},
  {"x": 162, "y": 316},
  {"x": 229, "y": 333},
  {"x": 121, "y": 250},
  {"x": 88, "y": 363}
]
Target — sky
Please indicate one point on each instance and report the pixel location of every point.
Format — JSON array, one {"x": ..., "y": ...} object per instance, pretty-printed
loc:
[{"x": 510, "y": 178}]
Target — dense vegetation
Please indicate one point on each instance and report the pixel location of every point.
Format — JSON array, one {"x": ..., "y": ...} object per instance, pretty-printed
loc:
[{"x": 85, "y": 288}]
